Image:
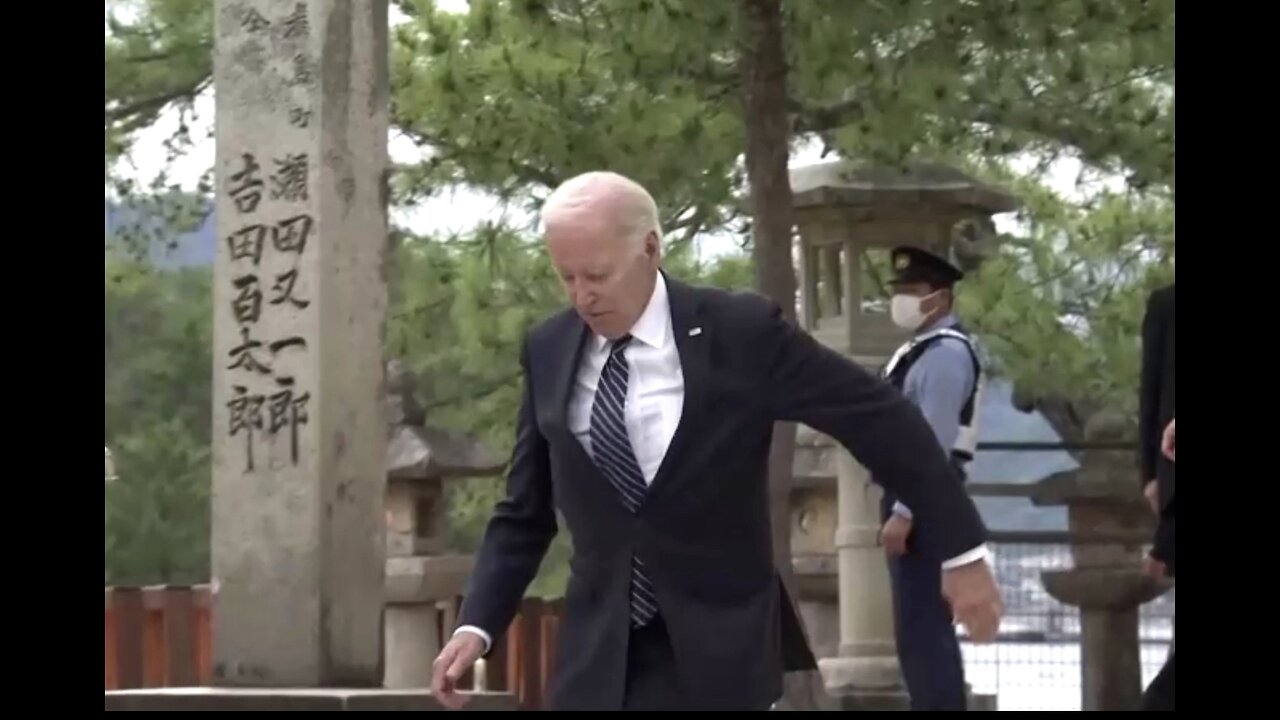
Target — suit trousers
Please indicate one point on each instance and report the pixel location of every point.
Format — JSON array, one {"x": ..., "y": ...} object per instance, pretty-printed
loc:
[
  {"x": 653, "y": 682},
  {"x": 1159, "y": 694}
]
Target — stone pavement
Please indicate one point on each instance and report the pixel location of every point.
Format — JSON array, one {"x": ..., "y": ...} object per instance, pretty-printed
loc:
[{"x": 273, "y": 699}]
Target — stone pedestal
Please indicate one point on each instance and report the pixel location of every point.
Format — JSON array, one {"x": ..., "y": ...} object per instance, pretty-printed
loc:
[
  {"x": 299, "y": 304},
  {"x": 253, "y": 699},
  {"x": 412, "y": 633},
  {"x": 416, "y": 586},
  {"x": 867, "y": 667},
  {"x": 1107, "y": 681},
  {"x": 1110, "y": 655},
  {"x": 813, "y": 531}
]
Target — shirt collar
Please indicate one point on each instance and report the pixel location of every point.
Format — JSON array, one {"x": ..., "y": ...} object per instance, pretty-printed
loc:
[{"x": 654, "y": 324}]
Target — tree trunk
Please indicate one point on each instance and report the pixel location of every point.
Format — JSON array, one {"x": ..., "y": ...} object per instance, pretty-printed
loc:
[{"x": 764, "y": 83}]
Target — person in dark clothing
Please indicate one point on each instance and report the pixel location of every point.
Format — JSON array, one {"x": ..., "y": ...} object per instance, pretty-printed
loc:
[
  {"x": 1155, "y": 436},
  {"x": 1156, "y": 398}
]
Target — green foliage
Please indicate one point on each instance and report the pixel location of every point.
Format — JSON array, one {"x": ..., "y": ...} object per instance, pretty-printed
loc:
[
  {"x": 1061, "y": 308},
  {"x": 459, "y": 310},
  {"x": 158, "y": 58},
  {"x": 159, "y": 54},
  {"x": 158, "y": 328},
  {"x": 516, "y": 95},
  {"x": 157, "y": 512},
  {"x": 891, "y": 81}
]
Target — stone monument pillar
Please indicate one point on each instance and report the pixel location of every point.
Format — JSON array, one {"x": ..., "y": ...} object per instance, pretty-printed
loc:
[
  {"x": 299, "y": 436},
  {"x": 849, "y": 217}
]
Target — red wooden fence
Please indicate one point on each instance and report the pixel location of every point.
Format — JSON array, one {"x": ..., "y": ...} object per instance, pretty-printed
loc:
[
  {"x": 161, "y": 636},
  {"x": 158, "y": 637}
]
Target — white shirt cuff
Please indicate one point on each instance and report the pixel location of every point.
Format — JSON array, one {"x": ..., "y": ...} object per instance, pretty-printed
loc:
[
  {"x": 902, "y": 510},
  {"x": 978, "y": 553},
  {"x": 488, "y": 641}
]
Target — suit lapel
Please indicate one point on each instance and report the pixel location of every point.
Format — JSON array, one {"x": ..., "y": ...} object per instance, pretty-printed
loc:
[
  {"x": 691, "y": 340},
  {"x": 572, "y": 340}
]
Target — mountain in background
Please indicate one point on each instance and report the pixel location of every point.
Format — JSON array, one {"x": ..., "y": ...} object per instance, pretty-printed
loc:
[{"x": 191, "y": 249}]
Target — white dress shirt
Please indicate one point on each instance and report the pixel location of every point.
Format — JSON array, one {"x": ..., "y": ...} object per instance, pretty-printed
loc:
[
  {"x": 655, "y": 385},
  {"x": 655, "y": 398}
]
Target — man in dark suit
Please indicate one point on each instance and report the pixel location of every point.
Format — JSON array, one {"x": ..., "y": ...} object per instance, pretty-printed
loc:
[
  {"x": 1156, "y": 397},
  {"x": 1160, "y": 561},
  {"x": 646, "y": 421},
  {"x": 1156, "y": 417}
]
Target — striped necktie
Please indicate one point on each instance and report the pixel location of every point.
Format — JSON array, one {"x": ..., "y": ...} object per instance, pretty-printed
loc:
[{"x": 611, "y": 449}]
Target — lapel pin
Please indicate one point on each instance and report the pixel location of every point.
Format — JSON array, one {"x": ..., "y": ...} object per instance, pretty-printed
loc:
[{"x": 695, "y": 332}]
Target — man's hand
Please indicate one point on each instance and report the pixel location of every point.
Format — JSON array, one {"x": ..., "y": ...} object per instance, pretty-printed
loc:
[
  {"x": 1151, "y": 491},
  {"x": 975, "y": 599},
  {"x": 457, "y": 656},
  {"x": 893, "y": 536},
  {"x": 1166, "y": 442}
]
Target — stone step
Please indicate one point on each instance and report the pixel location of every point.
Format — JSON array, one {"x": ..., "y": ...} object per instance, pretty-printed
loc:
[{"x": 291, "y": 699}]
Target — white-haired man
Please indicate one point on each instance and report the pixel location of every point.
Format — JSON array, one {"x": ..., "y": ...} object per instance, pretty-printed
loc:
[{"x": 647, "y": 416}]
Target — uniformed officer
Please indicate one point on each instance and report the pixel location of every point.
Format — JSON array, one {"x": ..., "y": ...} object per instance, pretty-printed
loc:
[{"x": 940, "y": 370}]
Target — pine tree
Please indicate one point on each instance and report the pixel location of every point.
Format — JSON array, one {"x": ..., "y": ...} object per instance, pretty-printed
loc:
[{"x": 517, "y": 95}]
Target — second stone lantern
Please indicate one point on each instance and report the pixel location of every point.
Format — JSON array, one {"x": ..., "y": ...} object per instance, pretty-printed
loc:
[{"x": 849, "y": 216}]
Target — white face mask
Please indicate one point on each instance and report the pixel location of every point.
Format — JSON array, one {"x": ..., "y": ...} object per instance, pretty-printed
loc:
[{"x": 905, "y": 311}]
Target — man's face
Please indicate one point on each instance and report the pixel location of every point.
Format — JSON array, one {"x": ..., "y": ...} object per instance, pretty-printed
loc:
[{"x": 608, "y": 278}]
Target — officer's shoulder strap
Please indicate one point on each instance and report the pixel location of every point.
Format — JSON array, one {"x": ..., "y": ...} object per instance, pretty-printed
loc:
[
  {"x": 946, "y": 332},
  {"x": 916, "y": 346}
]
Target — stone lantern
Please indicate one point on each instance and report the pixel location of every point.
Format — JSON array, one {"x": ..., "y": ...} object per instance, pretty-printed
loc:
[
  {"x": 421, "y": 575},
  {"x": 849, "y": 216},
  {"x": 1110, "y": 524}
]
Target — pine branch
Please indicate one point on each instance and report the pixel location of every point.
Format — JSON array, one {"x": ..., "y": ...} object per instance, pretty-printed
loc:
[
  {"x": 1040, "y": 120},
  {"x": 524, "y": 173},
  {"x": 691, "y": 225},
  {"x": 157, "y": 103},
  {"x": 825, "y": 119}
]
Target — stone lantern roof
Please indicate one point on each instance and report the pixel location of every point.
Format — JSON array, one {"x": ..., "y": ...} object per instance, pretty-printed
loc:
[
  {"x": 418, "y": 451},
  {"x": 846, "y": 183}
]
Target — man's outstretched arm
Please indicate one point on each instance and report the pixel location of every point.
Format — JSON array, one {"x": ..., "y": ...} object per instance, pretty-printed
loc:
[{"x": 884, "y": 431}]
